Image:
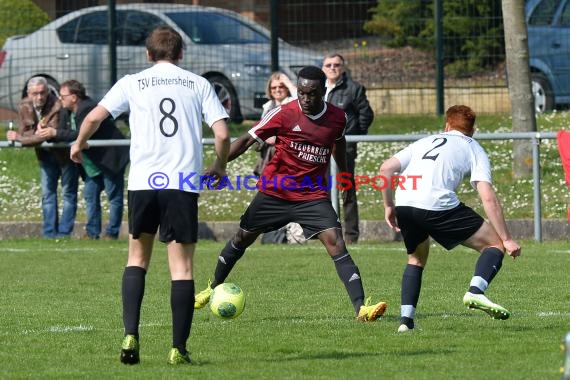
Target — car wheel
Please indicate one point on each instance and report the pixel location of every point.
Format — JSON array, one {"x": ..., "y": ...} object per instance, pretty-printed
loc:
[
  {"x": 542, "y": 93},
  {"x": 227, "y": 95}
]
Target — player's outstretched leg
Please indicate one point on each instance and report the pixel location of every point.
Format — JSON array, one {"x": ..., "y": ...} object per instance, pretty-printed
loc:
[
  {"x": 480, "y": 302},
  {"x": 370, "y": 313},
  {"x": 486, "y": 268},
  {"x": 226, "y": 260},
  {"x": 201, "y": 299}
]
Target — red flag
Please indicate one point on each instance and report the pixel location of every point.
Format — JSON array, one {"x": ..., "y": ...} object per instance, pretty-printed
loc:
[{"x": 563, "y": 139}]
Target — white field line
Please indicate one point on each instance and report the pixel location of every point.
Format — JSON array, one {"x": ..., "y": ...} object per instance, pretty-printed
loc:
[{"x": 52, "y": 249}]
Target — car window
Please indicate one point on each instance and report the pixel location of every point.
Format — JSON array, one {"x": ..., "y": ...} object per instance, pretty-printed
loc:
[
  {"x": 543, "y": 13},
  {"x": 93, "y": 29},
  {"x": 66, "y": 32},
  {"x": 212, "y": 28},
  {"x": 137, "y": 27},
  {"x": 565, "y": 16}
]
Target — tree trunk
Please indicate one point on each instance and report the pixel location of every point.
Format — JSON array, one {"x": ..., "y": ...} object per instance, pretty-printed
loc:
[{"x": 520, "y": 90}]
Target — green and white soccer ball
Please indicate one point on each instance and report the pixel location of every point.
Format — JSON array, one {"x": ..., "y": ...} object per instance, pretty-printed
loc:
[{"x": 227, "y": 301}]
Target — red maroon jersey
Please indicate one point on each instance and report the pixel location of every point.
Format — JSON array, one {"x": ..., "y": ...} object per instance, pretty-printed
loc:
[{"x": 298, "y": 170}]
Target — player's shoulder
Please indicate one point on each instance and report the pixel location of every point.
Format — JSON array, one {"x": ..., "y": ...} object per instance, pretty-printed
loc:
[{"x": 335, "y": 113}]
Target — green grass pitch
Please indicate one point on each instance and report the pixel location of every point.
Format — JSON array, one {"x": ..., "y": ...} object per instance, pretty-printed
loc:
[{"x": 60, "y": 315}]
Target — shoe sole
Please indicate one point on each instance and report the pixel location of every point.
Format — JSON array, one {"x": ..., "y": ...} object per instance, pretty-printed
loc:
[{"x": 494, "y": 312}]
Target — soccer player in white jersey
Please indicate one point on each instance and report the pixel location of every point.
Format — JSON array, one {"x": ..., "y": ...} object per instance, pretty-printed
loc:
[
  {"x": 429, "y": 207},
  {"x": 167, "y": 106}
]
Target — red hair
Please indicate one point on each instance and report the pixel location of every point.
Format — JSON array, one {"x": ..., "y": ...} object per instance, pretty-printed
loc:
[{"x": 461, "y": 118}]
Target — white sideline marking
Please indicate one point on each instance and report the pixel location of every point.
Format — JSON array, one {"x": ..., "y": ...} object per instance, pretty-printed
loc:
[
  {"x": 553, "y": 314},
  {"x": 66, "y": 329},
  {"x": 62, "y": 329},
  {"x": 53, "y": 249}
]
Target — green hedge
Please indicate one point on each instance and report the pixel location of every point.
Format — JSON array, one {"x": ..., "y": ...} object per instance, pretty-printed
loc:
[{"x": 20, "y": 17}]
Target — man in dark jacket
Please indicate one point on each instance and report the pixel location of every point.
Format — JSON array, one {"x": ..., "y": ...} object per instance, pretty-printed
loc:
[
  {"x": 103, "y": 168},
  {"x": 349, "y": 95}
]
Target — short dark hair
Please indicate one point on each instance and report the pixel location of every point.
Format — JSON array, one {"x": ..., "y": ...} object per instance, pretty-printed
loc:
[
  {"x": 164, "y": 43},
  {"x": 75, "y": 88},
  {"x": 313, "y": 73}
]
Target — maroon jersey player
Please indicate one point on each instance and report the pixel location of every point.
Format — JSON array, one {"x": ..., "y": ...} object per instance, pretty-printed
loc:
[{"x": 293, "y": 186}]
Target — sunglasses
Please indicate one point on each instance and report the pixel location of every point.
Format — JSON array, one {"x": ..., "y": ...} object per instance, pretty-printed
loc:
[
  {"x": 329, "y": 65},
  {"x": 277, "y": 88}
]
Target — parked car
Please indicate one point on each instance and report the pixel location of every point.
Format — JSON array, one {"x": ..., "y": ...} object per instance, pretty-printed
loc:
[
  {"x": 548, "y": 25},
  {"x": 231, "y": 51}
]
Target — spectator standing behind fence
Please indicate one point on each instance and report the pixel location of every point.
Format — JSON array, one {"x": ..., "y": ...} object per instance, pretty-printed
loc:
[
  {"x": 279, "y": 90},
  {"x": 37, "y": 111},
  {"x": 166, "y": 141},
  {"x": 349, "y": 95},
  {"x": 432, "y": 209},
  {"x": 103, "y": 168}
]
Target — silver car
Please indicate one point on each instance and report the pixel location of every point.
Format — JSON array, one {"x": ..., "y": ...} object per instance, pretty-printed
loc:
[{"x": 230, "y": 50}]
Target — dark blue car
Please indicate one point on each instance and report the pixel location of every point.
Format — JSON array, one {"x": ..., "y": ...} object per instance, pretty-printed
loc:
[{"x": 548, "y": 23}]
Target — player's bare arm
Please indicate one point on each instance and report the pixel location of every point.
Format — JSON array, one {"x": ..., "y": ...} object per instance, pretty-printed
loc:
[
  {"x": 236, "y": 149},
  {"x": 221, "y": 143},
  {"x": 222, "y": 148},
  {"x": 240, "y": 146},
  {"x": 387, "y": 170},
  {"x": 339, "y": 154},
  {"x": 494, "y": 212}
]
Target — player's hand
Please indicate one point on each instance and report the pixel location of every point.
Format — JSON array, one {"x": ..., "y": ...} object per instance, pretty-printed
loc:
[
  {"x": 512, "y": 247},
  {"x": 390, "y": 217},
  {"x": 213, "y": 175}
]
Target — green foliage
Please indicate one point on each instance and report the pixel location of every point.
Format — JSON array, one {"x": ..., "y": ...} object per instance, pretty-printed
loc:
[
  {"x": 472, "y": 30},
  {"x": 20, "y": 17}
]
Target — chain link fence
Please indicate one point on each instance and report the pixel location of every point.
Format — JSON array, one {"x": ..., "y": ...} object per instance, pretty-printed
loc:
[{"x": 230, "y": 43}]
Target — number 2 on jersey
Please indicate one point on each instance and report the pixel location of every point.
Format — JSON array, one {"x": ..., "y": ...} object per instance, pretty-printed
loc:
[
  {"x": 431, "y": 154},
  {"x": 168, "y": 119}
]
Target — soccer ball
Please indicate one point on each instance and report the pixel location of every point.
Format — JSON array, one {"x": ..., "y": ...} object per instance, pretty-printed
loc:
[{"x": 227, "y": 301}]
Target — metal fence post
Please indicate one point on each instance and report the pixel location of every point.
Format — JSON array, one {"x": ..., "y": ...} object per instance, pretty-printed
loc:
[{"x": 536, "y": 182}]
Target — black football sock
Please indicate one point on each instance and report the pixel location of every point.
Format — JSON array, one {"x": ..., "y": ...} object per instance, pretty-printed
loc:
[
  {"x": 226, "y": 261},
  {"x": 350, "y": 276},
  {"x": 132, "y": 292},
  {"x": 182, "y": 305},
  {"x": 411, "y": 286},
  {"x": 487, "y": 267}
]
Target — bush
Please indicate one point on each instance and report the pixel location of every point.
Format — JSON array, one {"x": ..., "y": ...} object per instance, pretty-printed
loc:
[
  {"x": 473, "y": 37},
  {"x": 20, "y": 17}
]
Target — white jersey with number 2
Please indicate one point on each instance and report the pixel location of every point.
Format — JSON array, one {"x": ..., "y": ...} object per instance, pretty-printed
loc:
[
  {"x": 440, "y": 162},
  {"x": 167, "y": 105}
]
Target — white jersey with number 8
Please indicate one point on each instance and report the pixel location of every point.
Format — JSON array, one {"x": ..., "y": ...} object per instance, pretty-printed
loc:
[{"x": 167, "y": 106}]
